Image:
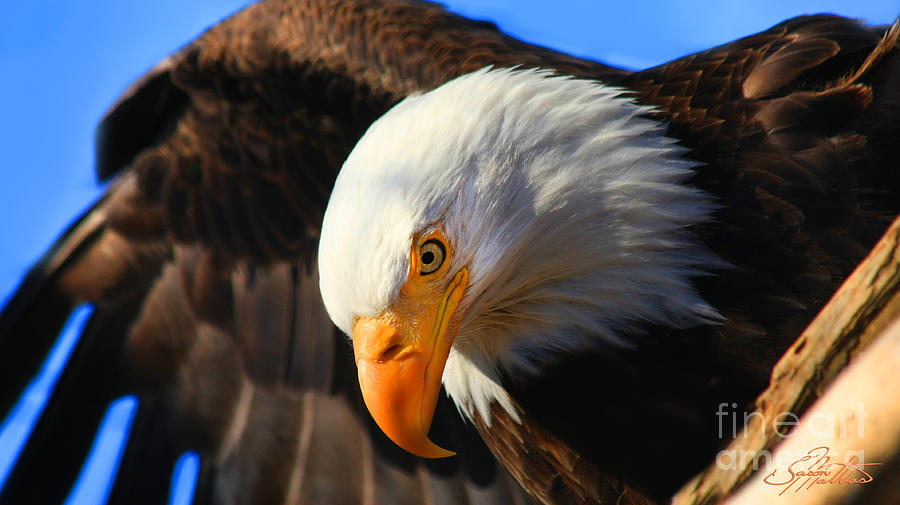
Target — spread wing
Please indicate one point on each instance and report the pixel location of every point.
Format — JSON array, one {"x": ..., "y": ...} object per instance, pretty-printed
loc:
[{"x": 199, "y": 264}]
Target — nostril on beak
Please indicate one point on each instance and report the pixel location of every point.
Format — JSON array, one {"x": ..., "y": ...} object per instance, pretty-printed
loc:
[
  {"x": 377, "y": 341},
  {"x": 390, "y": 353}
]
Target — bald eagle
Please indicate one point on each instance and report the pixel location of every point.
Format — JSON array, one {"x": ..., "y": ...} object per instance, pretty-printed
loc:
[{"x": 587, "y": 260}]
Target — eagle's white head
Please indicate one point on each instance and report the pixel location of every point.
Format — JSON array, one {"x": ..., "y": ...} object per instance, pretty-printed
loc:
[{"x": 501, "y": 219}]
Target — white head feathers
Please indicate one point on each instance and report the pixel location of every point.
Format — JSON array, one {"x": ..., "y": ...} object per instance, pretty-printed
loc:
[{"x": 568, "y": 207}]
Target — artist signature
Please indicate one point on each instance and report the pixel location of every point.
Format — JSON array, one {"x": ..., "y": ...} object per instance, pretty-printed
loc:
[{"x": 817, "y": 468}]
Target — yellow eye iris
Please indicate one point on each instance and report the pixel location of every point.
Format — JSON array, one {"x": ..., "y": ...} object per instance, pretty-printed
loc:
[{"x": 431, "y": 256}]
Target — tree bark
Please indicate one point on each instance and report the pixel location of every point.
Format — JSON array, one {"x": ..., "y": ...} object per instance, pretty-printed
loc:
[
  {"x": 858, "y": 314},
  {"x": 845, "y": 439}
]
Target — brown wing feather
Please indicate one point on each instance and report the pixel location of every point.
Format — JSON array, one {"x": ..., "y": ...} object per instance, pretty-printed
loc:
[
  {"x": 789, "y": 149},
  {"x": 280, "y": 93},
  {"x": 554, "y": 471}
]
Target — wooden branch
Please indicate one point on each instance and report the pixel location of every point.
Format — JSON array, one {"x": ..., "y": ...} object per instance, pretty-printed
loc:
[
  {"x": 864, "y": 305},
  {"x": 851, "y": 432}
]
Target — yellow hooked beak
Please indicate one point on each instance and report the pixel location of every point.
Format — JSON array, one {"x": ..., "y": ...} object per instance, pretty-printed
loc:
[{"x": 401, "y": 354}]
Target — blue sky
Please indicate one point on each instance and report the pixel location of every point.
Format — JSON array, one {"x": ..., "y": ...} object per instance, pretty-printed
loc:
[{"x": 64, "y": 63}]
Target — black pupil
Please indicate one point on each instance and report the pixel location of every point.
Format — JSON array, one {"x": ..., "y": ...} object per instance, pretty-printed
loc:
[{"x": 428, "y": 257}]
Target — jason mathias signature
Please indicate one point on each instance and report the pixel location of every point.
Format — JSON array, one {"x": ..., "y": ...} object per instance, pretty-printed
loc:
[{"x": 817, "y": 468}]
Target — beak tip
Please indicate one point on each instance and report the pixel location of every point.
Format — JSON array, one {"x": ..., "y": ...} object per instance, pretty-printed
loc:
[{"x": 433, "y": 451}]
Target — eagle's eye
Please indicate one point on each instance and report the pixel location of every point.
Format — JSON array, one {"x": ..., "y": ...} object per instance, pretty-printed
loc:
[{"x": 431, "y": 256}]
